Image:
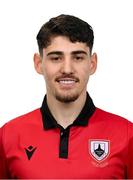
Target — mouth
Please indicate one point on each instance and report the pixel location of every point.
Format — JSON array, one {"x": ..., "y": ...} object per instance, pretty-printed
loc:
[{"x": 67, "y": 82}]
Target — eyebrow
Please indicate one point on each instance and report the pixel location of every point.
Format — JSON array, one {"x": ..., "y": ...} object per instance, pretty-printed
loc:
[
  {"x": 79, "y": 52},
  {"x": 55, "y": 53},
  {"x": 61, "y": 53}
]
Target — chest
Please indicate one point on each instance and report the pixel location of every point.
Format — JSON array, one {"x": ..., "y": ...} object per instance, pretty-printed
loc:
[{"x": 91, "y": 154}]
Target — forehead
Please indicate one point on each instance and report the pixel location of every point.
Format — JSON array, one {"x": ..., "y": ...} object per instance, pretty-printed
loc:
[{"x": 63, "y": 44}]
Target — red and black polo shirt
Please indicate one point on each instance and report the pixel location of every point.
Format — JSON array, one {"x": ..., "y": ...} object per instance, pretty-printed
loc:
[
  {"x": 97, "y": 145},
  {"x": 82, "y": 120}
]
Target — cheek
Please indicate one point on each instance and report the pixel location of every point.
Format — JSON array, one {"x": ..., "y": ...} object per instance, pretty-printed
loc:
[
  {"x": 49, "y": 73},
  {"x": 84, "y": 72},
  {"x": 85, "y": 76}
]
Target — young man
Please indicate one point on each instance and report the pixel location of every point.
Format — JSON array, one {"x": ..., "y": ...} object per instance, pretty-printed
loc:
[{"x": 68, "y": 137}]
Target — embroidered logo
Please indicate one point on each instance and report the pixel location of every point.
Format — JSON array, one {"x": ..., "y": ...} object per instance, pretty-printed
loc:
[
  {"x": 99, "y": 149},
  {"x": 29, "y": 151}
]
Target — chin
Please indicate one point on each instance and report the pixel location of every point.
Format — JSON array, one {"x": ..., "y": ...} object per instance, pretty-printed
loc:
[{"x": 67, "y": 98}]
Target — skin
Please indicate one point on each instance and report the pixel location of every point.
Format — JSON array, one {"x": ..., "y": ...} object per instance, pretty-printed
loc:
[{"x": 66, "y": 68}]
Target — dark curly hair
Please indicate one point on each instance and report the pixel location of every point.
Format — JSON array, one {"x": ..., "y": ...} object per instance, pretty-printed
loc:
[{"x": 69, "y": 26}]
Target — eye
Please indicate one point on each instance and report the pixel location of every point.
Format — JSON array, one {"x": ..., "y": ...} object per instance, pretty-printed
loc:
[
  {"x": 55, "y": 58},
  {"x": 78, "y": 58}
]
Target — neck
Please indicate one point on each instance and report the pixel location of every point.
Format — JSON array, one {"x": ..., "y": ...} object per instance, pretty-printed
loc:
[{"x": 66, "y": 113}]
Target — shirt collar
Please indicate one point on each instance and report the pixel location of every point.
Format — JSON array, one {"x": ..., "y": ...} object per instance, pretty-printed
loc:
[{"x": 49, "y": 121}]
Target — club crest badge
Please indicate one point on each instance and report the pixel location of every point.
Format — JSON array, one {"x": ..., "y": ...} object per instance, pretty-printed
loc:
[{"x": 99, "y": 149}]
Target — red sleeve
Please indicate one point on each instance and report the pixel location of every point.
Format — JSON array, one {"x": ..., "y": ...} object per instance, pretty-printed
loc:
[
  {"x": 130, "y": 153},
  {"x": 3, "y": 168}
]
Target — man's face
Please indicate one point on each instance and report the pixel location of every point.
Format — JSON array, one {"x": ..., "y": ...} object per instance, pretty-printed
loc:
[{"x": 66, "y": 68}]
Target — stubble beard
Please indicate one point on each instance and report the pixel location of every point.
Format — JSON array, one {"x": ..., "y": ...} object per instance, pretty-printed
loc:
[{"x": 68, "y": 98}]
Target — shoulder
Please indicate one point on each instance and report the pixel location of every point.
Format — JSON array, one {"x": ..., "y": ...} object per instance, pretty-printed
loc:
[
  {"x": 111, "y": 117},
  {"x": 22, "y": 121},
  {"x": 113, "y": 126},
  {"x": 112, "y": 122},
  {"x": 21, "y": 127}
]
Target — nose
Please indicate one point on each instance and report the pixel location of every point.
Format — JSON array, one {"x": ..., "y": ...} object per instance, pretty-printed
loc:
[{"x": 67, "y": 66}]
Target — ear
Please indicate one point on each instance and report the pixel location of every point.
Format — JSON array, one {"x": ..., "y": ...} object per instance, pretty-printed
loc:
[
  {"x": 93, "y": 63},
  {"x": 38, "y": 63}
]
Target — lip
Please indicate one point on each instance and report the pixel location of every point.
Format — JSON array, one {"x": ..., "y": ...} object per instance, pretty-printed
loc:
[
  {"x": 67, "y": 83},
  {"x": 67, "y": 79}
]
